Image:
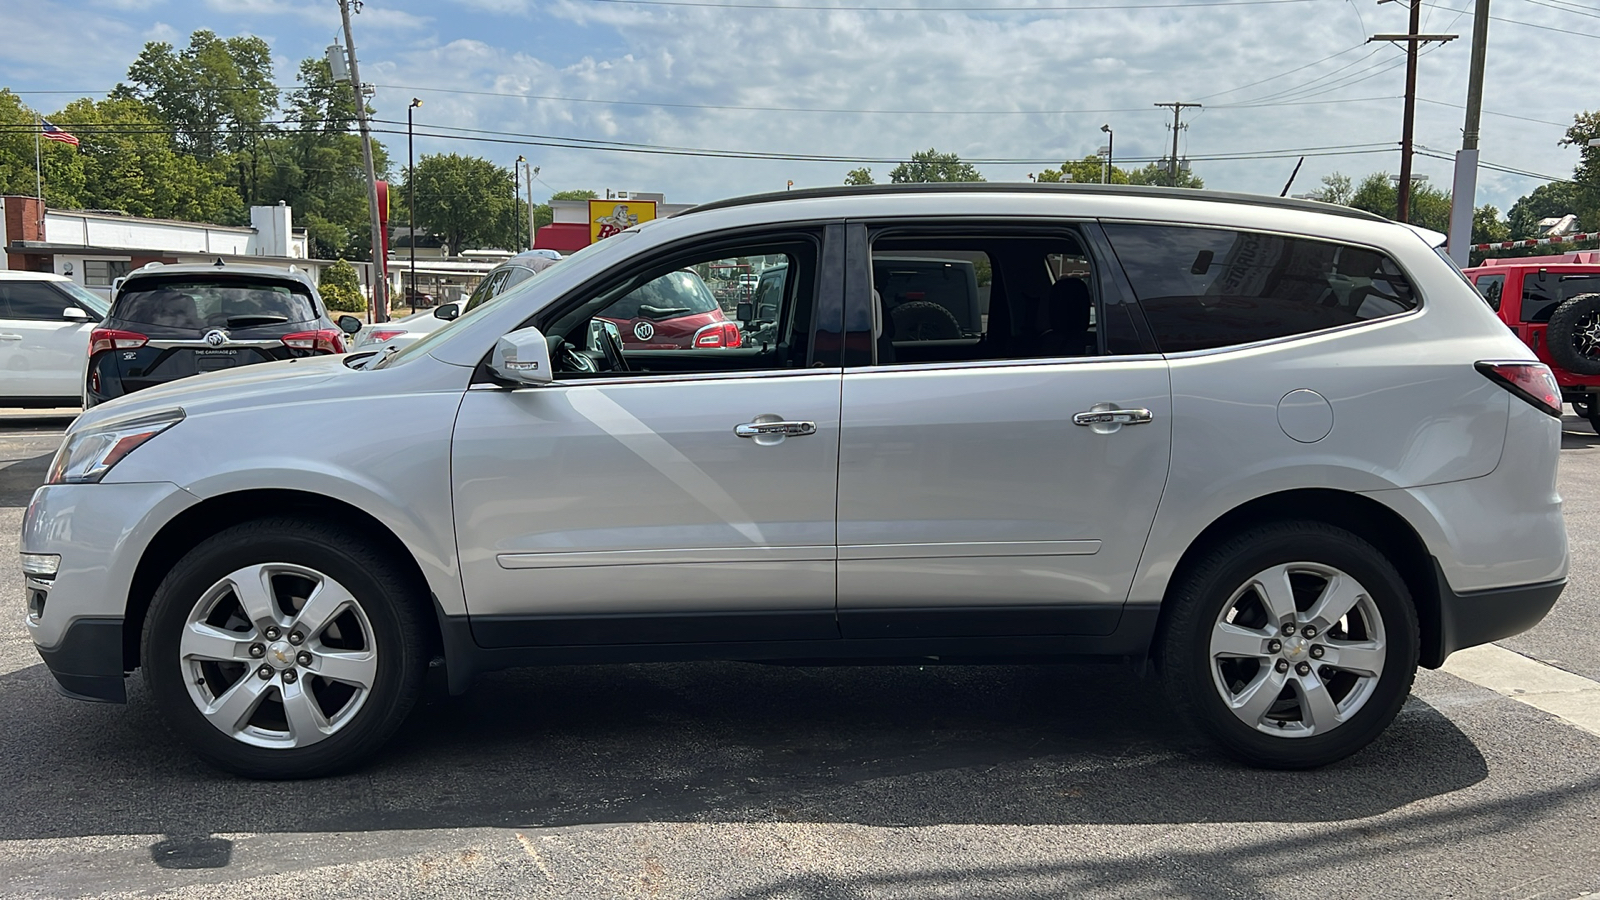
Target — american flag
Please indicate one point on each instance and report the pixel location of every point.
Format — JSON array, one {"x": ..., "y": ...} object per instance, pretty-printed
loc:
[{"x": 52, "y": 133}]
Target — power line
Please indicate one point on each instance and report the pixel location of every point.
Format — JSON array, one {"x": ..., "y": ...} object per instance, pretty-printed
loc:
[
  {"x": 1519, "y": 22},
  {"x": 1282, "y": 74},
  {"x": 705, "y": 4}
]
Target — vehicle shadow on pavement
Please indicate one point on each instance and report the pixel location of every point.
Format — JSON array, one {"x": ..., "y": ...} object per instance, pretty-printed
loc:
[
  {"x": 18, "y": 480},
  {"x": 715, "y": 742}
]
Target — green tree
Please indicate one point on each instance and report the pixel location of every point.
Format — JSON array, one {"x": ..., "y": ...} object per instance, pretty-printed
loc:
[
  {"x": 1553, "y": 200},
  {"x": 1158, "y": 174},
  {"x": 63, "y": 165},
  {"x": 1336, "y": 188},
  {"x": 1378, "y": 194},
  {"x": 466, "y": 200},
  {"x": 128, "y": 164},
  {"x": 341, "y": 289},
  {"x": 931, "y": 165},
  {"x": 316, "y": 166},
  {"x": 858, "y": 177},
  {"x": 216, "y": 93},
  {"x": 1089, "y": 170},
  {"x": 1488, "y": 227}
]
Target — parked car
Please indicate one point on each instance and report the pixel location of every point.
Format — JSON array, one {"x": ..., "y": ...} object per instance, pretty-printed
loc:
[
  {"x": 398, "y": 333},
  {"x": 1552, "y": 304},
  {"x": 675, "y": 311},
  {"x": 1278, "y": 449},
  {"x": 172, "y": 321},
  {"x": 45, "y": 321}
]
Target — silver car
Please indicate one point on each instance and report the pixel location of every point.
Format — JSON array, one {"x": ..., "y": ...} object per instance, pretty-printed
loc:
[{"x": 1281, "y": 450}]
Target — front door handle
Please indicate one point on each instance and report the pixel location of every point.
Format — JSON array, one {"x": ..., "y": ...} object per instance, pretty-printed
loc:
[
  {"x": 1113, "y": 416},
  {"x": 777, "y": 428}
]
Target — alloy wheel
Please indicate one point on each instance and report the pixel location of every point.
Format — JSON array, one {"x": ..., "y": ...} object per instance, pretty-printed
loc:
[
  {"x": 1297, "y": 650},
  {"x": 278, "y": 655}
]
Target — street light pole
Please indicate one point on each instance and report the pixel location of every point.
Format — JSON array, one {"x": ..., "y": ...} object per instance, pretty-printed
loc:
[
  {"x": 1111, "y": 146},
  {"x": 411, "y": 192},
  {"x": 516, "y": 198}
]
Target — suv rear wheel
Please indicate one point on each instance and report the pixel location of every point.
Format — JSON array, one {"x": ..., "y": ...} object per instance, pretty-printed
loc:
[
  {"x": 1293, "y": 645},
  {"x": 284, "y": 649}
]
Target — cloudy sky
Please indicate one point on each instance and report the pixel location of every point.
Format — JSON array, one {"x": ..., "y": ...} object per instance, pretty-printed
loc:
[{"x": 1025, "y": 83}]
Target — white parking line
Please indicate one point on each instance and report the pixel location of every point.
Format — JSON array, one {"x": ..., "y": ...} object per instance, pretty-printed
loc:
[{"x": 1572, "y": 698}]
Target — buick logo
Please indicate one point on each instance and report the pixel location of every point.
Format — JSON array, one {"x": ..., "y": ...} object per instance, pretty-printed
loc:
[
  {"x": 216, "y": 337},
  {"x": 644, "y": 331}
]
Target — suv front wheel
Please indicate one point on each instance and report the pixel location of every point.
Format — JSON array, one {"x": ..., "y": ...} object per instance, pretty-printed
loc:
[
  {"x": 284, "y": 649},
  {"x": 1293, "y": 644}
]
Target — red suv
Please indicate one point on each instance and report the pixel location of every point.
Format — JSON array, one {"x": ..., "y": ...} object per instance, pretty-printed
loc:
[
  {"x": 673, "y": 312},
  {"x": 1553, "y": 305}
]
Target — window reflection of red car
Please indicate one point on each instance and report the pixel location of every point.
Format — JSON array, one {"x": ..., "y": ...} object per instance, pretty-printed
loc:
[{"x": 674, "y": 312}]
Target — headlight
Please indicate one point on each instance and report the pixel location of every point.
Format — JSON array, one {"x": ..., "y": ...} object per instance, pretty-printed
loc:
[{"x": 86, "y": 456}]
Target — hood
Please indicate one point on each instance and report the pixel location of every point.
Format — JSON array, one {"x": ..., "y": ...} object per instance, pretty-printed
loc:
[{"x": 233, "y": 388}]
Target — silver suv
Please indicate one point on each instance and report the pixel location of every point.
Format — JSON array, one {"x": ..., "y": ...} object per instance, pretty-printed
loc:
[{"x": 1281, "y": 450}]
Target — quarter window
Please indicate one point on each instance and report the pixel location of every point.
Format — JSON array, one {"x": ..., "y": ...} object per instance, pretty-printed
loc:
[{"x": 1205, "y": 287}]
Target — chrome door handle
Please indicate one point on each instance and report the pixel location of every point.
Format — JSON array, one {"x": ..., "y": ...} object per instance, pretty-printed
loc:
[
  {"x": 779, "y": 428},
  {"x": 10, "y": 337},
  {"x": 1113, "y": 417}
]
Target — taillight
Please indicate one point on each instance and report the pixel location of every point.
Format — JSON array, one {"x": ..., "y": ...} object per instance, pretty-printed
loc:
[
  {"x": 327, "y": 340},
  {"x": 381, "y": 336},
  {"x": 718, "y": 334},
  {"x": 102, "y": 339},
  {"x": 1531, "y": 381}
]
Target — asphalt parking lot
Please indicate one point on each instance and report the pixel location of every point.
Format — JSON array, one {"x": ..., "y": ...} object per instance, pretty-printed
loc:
[{"x": 748, "y": 781}]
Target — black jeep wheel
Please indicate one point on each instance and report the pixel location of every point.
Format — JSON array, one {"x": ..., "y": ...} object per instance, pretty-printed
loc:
[{"x": 1574, "y": 335}]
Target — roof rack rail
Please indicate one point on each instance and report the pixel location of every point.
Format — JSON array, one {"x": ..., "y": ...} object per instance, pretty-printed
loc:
[{"x": 1004, "y": 187}]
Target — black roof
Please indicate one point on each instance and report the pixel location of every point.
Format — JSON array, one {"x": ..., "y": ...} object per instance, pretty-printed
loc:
[{"x": 1002, "y": 187}]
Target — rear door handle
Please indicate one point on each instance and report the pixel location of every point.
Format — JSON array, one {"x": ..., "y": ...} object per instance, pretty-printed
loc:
[
  {"x": 778, "y": 428},
  {"x": 10, "y": 337},
  {"x": 1113, "y": 417}
]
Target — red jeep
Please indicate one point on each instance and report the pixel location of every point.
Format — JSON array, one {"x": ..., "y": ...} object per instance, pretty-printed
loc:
[{"x": 1553, "y": 304}]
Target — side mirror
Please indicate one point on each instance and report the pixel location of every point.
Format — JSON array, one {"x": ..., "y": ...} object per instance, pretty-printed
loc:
[
  {"x": 74, "y": 314},
  {"x": 744, "y": 311},
  {"x": 448, "y": 312},
  {"x": 522, "y": 357},
  {"x": 597, "y": 326},
  {"x": 349, "y": 324}
]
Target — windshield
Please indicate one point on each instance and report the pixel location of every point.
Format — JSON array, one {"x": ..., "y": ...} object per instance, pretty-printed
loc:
[
  {"x": 86, "y": 298},
  {"x": 231, "y": 303}
]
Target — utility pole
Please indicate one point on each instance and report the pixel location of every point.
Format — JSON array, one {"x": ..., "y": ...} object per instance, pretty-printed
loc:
[
  {"x": 380, "y": 284},
  {"x": 1462, "y": 200},
  {"x": 1177, "y": 126},
  {"x": 1412, "y": 40}
]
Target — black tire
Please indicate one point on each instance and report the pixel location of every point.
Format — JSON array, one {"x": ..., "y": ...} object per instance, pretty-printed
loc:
[
  {"x": 1195, "y": 605},
  {"x": 1582, "y": 408},
  {"x": 1592, "y": 413},
  {"x": 1574, "y": 335},
  {"x": 390, "y": 601},
  {"x": 924, "y": 320}
]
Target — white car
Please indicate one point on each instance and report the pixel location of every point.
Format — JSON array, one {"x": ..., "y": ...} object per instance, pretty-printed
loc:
[
  {"x": 1281, "y": 450},
  {"x": 45, "y": 322}
]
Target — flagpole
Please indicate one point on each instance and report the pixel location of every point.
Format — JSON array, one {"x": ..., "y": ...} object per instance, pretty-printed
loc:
[{"x": 38, "y": 169}]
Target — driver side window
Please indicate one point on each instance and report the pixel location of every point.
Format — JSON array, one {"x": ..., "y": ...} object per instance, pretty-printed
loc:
[{"x": 739, "y": 308}]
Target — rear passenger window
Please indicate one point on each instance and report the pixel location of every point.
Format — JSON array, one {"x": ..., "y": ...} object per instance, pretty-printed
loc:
[
  {"x": 1205, "y": 287},
  {"x": 989, "y": 295}
]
